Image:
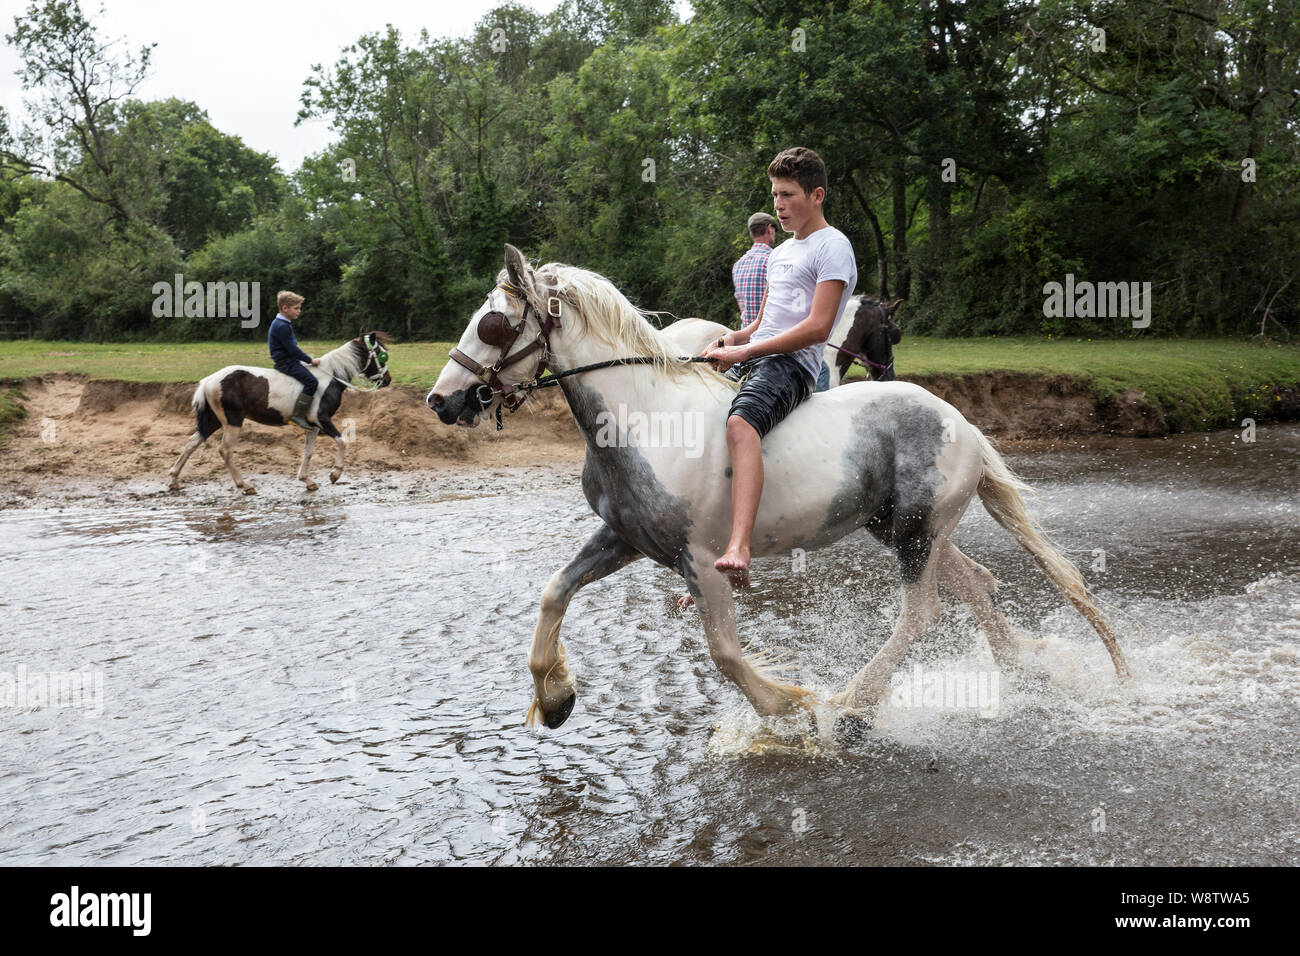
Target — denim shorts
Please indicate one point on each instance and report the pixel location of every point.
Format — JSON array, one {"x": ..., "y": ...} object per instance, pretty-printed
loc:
[{"x": 771, "y": 387}]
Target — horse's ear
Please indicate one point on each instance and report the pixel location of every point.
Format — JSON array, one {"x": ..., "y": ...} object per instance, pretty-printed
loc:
[
  {"x": 895, "y": 304},
  {"x": 516, "y": 268}
]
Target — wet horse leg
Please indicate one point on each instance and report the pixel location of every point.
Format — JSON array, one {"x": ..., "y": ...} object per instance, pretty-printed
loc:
[
  {"x": 972, "y": 583},
  {"x": 920, "y": 610},
  {"x": 756, "y": 679},
  {"x": 230, "y": 438},
  {"x": 340, "y": 446},
  {"x": 307, "y": 448},
  {"x": 602, "y": 555},
  {"x": 196, "y": 440}
]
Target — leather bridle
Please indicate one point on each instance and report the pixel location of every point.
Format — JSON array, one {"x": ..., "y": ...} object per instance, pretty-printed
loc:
[{"x": 494, "y": 329}]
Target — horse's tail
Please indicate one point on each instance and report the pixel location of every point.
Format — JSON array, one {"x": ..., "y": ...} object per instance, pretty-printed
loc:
[
  {"x": 1002, "y": 494},
  {"x": 205, "y": 417}
]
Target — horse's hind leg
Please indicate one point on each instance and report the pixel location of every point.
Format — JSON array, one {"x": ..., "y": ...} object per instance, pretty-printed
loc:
[
  {"x": 602, "y": 555},
  {"x": 230, "y": 438},
  {"x": 308, "y": 446},
  {"x": 920, "y": 611},
  {"x": 972, "y": 583},
  {"x": 755, "y": 677},
  {"x": 196, "y": 440}
]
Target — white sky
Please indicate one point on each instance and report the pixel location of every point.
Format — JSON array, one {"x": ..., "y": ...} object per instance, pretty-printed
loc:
[{"x": 244, "y": 61}]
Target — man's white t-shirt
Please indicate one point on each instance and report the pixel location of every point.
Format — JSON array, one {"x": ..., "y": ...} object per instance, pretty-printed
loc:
[{"x": 793, "y": 271}]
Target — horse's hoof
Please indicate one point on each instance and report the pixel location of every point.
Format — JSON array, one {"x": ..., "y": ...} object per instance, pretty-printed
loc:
[
  {"x": 851, "y": 731},
  {"x": 560, "y": 714},
  {"x": 250, "y": 490},
  {"x": 312, "y": 486},
  {"x": 335, "y": 476},
  {"x": 174, "y": 486}
]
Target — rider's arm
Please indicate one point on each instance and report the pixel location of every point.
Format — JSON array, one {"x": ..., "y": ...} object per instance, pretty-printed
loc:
[
  {"x": 742, "y": 336},
  {"x": 814, "y": 330},
  {"x": 288, "y": 342}
]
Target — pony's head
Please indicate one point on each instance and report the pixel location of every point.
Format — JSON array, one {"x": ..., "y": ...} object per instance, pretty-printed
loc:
[
  {"x": 371, "y": 349},
  {"x": 503, "y": 346},
  {"x": 873, "y": 334}
]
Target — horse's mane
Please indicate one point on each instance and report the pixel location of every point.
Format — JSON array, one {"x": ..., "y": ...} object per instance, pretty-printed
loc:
[
  {"x": 350, "y": 356},
  {"x": 609, "y": 316}
]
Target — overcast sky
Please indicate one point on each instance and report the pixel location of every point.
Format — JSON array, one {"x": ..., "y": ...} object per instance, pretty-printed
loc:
[{"x": 244, "y": 61}]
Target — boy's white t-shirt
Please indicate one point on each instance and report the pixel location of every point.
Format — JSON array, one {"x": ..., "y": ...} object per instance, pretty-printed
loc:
[{"x": 793, "y": 270}]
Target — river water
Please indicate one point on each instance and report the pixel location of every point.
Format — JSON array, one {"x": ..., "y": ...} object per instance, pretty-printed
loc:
[{"x": 341, "y": 679}]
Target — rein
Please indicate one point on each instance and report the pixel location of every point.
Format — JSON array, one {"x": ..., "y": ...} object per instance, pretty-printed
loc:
[
  {"x": 864, "y": 359},
  {"x": 503, "y": 335},
  {"x": 554, "y": 377},
  {"x": 357, "y": 388},
  {"x": 372, "y": 347}
]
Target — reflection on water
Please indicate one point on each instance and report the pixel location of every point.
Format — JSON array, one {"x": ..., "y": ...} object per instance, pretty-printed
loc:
[{"x": 292, "y": 683}]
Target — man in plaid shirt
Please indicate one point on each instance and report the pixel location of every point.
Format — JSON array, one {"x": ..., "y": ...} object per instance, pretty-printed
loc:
[{"x": 749, "y": 274}]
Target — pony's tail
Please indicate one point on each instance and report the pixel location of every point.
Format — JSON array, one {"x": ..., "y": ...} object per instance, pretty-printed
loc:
[
  {"x": 1002, "y": 494},
  {"x": 205, "y": 418}
]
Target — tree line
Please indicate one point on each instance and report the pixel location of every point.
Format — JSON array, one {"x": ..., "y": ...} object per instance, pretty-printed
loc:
[{"x": 977, "y": 151}]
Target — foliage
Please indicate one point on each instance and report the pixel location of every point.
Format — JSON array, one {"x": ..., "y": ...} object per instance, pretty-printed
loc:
[{"x": 976, "y": 150}]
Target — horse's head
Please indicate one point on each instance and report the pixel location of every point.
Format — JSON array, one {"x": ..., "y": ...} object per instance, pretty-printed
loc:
[
  {"x": 873, "y": 334},
  {"x": 372, "y": 351},
  {"x": 486, "y": 367}
]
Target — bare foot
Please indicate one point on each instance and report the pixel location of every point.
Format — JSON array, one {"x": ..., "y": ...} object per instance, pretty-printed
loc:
[
  {"x": 684, "y": 602},
  {"x": 735, "y": 565}
]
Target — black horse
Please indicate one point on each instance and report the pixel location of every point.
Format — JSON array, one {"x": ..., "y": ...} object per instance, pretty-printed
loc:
[{"x": 868, "y": 340}]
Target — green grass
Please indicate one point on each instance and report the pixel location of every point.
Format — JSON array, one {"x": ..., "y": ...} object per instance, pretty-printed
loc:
[
  {"x": 415, "y": 364},
  {"x": 1197, "y": 383},
  {"x": 10, "y": 411}
]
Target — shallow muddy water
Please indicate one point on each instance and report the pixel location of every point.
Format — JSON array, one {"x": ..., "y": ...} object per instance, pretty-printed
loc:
[{"x": 342, "y": 680}]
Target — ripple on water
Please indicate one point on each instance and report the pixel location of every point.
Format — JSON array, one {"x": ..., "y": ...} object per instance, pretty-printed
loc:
[{"x": 259, "y": 710}]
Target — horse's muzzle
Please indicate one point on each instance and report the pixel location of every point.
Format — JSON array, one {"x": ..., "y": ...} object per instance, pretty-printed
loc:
[{"x": 460, "y": 407}]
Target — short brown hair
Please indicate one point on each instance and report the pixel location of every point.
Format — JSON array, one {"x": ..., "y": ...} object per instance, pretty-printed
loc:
[
  {"x": 289, "y": 299},
  {"x": 760, "y": 223},
  {"x": 800, "y": 164}
]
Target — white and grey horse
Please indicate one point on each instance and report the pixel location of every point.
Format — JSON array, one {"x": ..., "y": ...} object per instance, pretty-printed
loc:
[
  {"x": 890, "y": 457},
  {"x": 238, "y": 393}
]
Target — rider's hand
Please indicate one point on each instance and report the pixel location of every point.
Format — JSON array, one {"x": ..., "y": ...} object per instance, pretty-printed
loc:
[
  {"x": 716, "y": 344},
  {"x": 315, "y": 361},
  {"x": 726, "y": 356}
]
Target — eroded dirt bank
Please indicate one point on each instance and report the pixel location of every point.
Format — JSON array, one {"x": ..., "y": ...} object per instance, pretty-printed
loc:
[{"x": 93, "y": 437}]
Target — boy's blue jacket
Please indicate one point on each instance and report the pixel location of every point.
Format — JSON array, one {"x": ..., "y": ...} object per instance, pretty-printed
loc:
[{"x": 283, "y": 343}]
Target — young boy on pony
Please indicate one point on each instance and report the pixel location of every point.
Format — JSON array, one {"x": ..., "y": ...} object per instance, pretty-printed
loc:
[{"x": 288, "y": 357}]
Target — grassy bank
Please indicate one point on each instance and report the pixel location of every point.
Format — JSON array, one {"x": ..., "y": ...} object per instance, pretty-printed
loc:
[
  {"x": 1196, "y": 383},
  {"x": 11, "y": 412}
]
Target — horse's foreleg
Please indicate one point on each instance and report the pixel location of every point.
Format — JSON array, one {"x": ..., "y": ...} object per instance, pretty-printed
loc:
[
  {"x": 195, "y": 441},
  {"x": 603, "y": 554},
  {"x": 757, "y": 679},
  {"x": 307, "y": 448},
  {"x": 229, "y": 439},
  {"x": 340, "y": 446}
]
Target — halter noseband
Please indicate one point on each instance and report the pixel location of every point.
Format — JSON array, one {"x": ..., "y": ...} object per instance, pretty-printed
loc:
[
  {"x": 494, "y": 329},
  {"x": 376, "y": 352}
]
